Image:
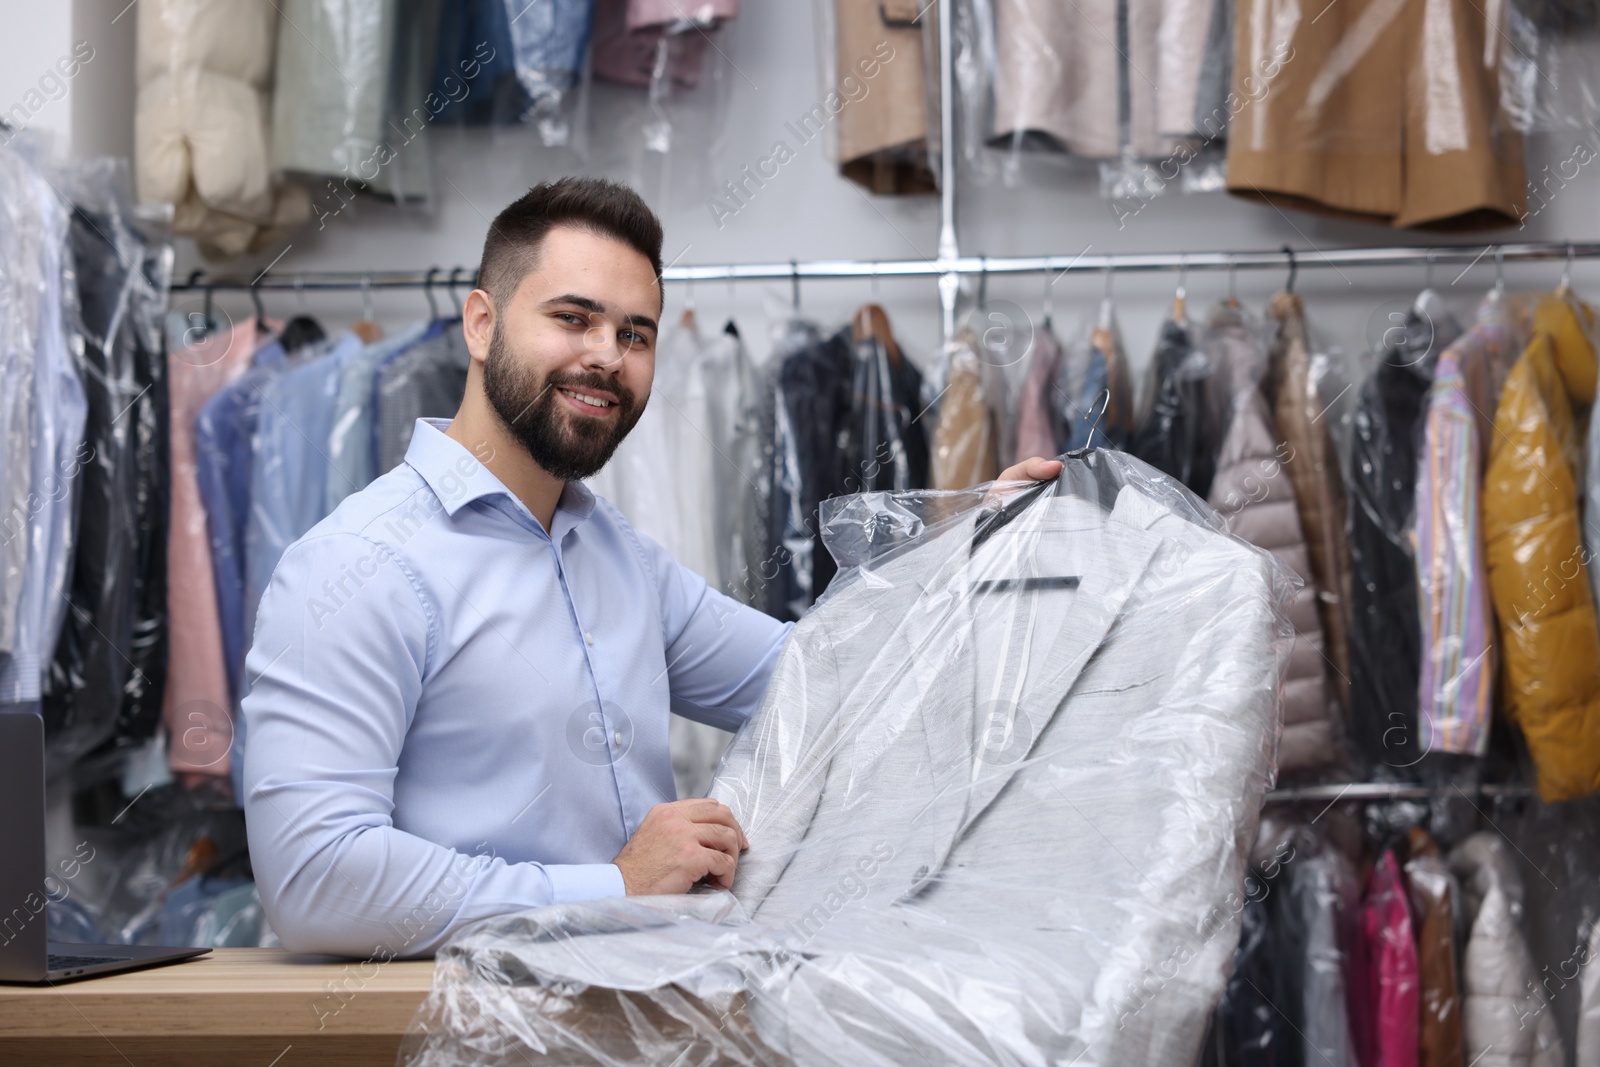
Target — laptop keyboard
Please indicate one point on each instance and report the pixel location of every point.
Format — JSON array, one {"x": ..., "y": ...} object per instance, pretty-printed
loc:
[{"x": 61, "y": 961}]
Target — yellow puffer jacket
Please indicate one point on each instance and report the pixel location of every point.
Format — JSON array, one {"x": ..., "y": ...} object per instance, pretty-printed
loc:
[{"x": 1538, "y": 567}]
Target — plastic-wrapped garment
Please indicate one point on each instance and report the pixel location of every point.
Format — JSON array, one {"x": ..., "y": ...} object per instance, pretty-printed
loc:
[
  {"x": 1095, "y": 662},
  {"x": 1385, "y": 632},
  {"x": 676, "y": 479},
  {"x": 425, "y": 381},
  {"x": 351, "y": 461},
  {"x": 736, "y": 435},
  {"x": 1589, "y": 1006},
  {"x": 225, "y": 436},
  {"x": 1391, "y": 963},
  {"x": 1062, "y": 81},
  {"x": 889, "y": 128},
  {"x": 288, "y": 482},
  {"x": 106, "y": 681},
  {"x": 39, "y": 494},
  {"x": 1591, "y": 509},
  {"x": 1243, "y": 1032},
  {"x": 1534, "y": 547},
  {"x": 1313, "y": 468},
  {"x": 1036, "y": 434},
  {"x": 1380, "y": 111},
  {"x": 549, "y": 39},
  {"x": 966, "y": 445},
  {"x": 198, "y": 695},
  {"x": 473, "y": 69},
  {"x": 24, "y": 285},
  {"x": 784, "y": 571},
  {"x": 1433, "y": 902},
  {"x": 635, "y": 38},
  {"x": 1253, "y": 494},
  {"x": 215, "y": 912},
  {"x": 1314, "y": 911},
  {"x": 349, "y": 97},
  {"x": 1457, "y": 643},
  {"x": 1505, "y": 1020},
  {"x": 1075, "y": 397},
  {"x": 847, "y": 419},
  {"x": 1113, "y": 423},
  {"x": 200, "y": 126},
  {"x": 1181, "y": 428}
]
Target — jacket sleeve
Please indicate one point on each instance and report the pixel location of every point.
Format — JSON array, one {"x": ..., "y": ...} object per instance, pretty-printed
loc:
[{"x": 335, "y": 673}]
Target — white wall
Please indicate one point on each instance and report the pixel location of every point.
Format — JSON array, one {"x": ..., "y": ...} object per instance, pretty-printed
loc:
[{"x": 807, "y": 211}]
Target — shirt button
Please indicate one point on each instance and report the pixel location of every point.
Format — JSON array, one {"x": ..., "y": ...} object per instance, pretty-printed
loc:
[
  {"x": 588, "y": 638},
  {"x": 921, "y": 872},
  {"x": 616, "y": 738}
]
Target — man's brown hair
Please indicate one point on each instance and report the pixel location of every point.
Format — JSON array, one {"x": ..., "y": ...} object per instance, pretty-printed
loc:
[{"x": 596, "y": 205}]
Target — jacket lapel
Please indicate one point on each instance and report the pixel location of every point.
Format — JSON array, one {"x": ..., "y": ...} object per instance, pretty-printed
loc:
[{"x": 1046, "y": 636}]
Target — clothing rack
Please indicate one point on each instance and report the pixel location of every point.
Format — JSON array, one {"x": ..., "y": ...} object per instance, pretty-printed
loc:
[
  {"x": 1141, "y": 262},
  {"x": 1388, "y": 791}
]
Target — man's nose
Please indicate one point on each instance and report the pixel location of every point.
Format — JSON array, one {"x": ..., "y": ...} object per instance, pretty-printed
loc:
[{"x": 600, "y": 348}]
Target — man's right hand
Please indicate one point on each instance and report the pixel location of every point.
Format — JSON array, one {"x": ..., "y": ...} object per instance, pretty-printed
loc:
[{"x": 679, "y": 844}]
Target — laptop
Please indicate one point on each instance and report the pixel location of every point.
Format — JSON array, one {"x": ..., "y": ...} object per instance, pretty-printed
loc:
[{"x": 26, "y": 953}]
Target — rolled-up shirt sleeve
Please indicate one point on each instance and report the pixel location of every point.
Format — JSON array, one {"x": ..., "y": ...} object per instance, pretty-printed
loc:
[
  {"x": 341, "y": 652},
  {"x": 720, "y": 653}
]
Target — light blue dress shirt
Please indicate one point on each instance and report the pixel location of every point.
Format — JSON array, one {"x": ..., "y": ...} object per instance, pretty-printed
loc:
[{"x": 453, "y": 714}]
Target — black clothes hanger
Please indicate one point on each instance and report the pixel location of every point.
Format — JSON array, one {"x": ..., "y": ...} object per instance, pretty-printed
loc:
[
  {"x": 454, "y": 300},
  {"x": 427, "y": 291},
  {"x": 261, "y": 314},
  {"x": 1082, "y": 475},
  {"x": 1288, "y": 286}
]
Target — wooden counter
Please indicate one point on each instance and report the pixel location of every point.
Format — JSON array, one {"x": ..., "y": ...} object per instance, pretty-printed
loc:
[{"x": 237, "y": 1007}]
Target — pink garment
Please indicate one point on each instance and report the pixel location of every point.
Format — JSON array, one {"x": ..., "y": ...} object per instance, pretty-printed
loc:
[
  {"x": 1394, "y": 984},
  {"x": 197, "y": 704},
  {"x": 629, "y": 34},
  {"x": 1035, "y": 435}
]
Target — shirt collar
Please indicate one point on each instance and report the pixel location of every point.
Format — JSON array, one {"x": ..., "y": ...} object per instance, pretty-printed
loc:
[{"x": 457, "y": 477}]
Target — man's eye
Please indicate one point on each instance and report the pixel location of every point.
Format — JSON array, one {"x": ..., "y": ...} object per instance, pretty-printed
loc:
[
  {"x": 567, "y": 316},
  {"x": 633, "y": 338}
]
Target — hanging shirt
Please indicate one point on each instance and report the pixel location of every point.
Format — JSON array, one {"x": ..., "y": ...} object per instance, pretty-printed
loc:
[
  {"x": 224, "y": 457},
  {"x": 351, "y": 462},
  {"x": 41, "y": 517},
  {"x": 198, "y": 698},
  {"x": 450, "y": 704},
  {"x": 1456, "y": 689}
]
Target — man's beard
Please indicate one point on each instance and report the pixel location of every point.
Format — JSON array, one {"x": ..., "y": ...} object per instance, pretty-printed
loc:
[{"x": 567, "y": 445}]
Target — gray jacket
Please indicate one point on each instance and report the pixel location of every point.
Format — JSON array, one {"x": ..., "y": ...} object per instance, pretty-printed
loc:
[{"x": 987, "y": 823}]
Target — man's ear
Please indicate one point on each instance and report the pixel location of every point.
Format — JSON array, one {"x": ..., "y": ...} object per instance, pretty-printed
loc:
[{"x": 478, "y": 323}]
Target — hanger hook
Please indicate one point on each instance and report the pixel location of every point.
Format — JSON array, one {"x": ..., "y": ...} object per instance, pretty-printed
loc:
[
  {"x": 874, "y": 279},
  {"x": 983, "y": 282},
  {"x": 730, "y": 284},
  {"x": 1108, "y": 277},
  {"x": 300, "y": 291},
  {"x": 1049, "y": 291},
  {"x": 688, "y": 293},
  {"x": 1233, "y": 277},
  {"x": 794, "y": 284},
  {"x": 366, "y": 297},
  {"x": 1566, "y": 270},
  {"x": 455, "y": 301},
  {"x": 1183, "y": 275},
  {"x": 1102, "y": 400},
  {"x": 427, "y": 291},
  {"x": 1427, "y": 277},
  {"x": 1288, "y": 286},
  {"x": 1500, "y": 268},
  {"x": 255, "y": 298}
]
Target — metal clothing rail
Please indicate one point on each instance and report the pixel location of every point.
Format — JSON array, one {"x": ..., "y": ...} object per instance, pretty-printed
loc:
[
  {"x": 1358, "y": 791},
  {"x": 1286, "y": 258}
]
